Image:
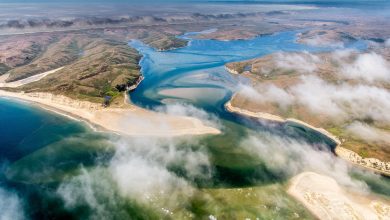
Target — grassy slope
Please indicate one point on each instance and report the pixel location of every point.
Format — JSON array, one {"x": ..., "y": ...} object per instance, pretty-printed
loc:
[
  {"x": 19, "y": 50},
  {"x": 160, "y": 39},
  {"x": 59, "y": 53},
  {"x": 95, "y": 61},
  {"x": 103, "y": 65}
]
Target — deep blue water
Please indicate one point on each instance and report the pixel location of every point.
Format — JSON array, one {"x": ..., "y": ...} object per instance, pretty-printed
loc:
[{"x": 25, "y": 128}]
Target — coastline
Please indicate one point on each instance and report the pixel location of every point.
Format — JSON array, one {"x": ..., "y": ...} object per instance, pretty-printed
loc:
[
  {"x": 130, "y": 120},
  {"x": 133, "y": 87},
  {"x": 326, "y": 199},
  {"x": 232, "y": 71},
  {"x": 352, "y": 157},
  {"x": 27, "y": 80}
]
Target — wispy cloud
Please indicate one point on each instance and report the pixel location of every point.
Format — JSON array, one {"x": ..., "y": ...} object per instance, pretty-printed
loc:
[
  {"x": 368, "y": 133},
  {"x": 289, "y": 157},
  {"x": 368, "y": 66},
  {"x": 267, "y": 93},
  {"x": 341, "y": 100},
  {"x": 143, "y": 172},
  {"x": 387, "y": 43},
  {"x": 11, "y": 205},
  {"x": 302, "y": 62},
  {"x": 181, "y": 109}
]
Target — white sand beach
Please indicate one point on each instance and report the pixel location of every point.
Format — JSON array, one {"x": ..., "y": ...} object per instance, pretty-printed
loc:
[
  {"x": 259, "y": 115},
  {"x": 131, "y": 120},
  {"x": 373, "y": 164},
  {"x": 327, "y": 200},
  {"x": 276, "y": 118},
  {"x": 25, "y": 80}
]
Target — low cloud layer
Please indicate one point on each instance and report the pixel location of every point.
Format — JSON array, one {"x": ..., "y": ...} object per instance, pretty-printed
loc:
[
  {"x": 143, "y": 172},
  {"x": 11, "y": 206},
  {"x": 317, "y": 40},
  {"x": 343, "y": 101},
  {"x": 180, "y": 109},
  {"x": 368, "y": 133},
  {"x": 349, "y": 64},
  {"x": 268, "y": 93},
  {"x": 301, "y": 62},
  {"x": 369, "y": 67},
  {"x": 387, "y": 43},
  {"x": 290, "y": 157},
  {"x": 339, "y": 100}
]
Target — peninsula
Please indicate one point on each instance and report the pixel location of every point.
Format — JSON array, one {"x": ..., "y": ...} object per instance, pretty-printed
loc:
[{"x": 319, "y": 91}]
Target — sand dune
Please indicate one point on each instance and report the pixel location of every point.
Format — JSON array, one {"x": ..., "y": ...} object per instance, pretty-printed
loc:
[{"x": 326, "y": 199}]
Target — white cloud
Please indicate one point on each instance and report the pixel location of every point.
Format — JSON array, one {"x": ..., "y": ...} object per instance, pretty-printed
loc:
[
  {"x": 11, "y": 206},
  {"x": 343, "y": 101},
  {"x": 342, "y": 55},
  {"x": 290, "y": 157},
  {"x": 142, "y": 180},
  {"x": 340, "y": 102},
  {"x": 322, "y": 42},
  {"x": 302, "y": 62},
  {"x": 387, "y": 43},
  {"x": 317, "y": 96},
  {"x": 370, "y": 67},
  {"x": 92, "y": 189},
  {"x": 368, "y": 133},
  {"x": 140, "y": 172},
  {"x": 267, "y": 93},
  {"x": 181, "y": 109}
]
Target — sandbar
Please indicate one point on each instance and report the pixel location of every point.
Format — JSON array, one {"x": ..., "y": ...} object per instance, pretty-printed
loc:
[
  {"x": 129, "y": 120},
  {"x": 326, "y": 199}
]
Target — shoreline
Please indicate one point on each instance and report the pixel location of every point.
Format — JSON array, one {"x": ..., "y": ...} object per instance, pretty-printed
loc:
[
  {"x": 130, "y": 120},
  {"x": 133, "y": 87},
  {"x": 352, "y": 157},
  {"x": 326, "y": 199},
  {"x": 27, "y": 80},
  {"x": 232, "y": 71}
]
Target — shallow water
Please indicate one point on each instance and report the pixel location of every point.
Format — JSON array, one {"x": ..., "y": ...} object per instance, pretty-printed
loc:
[{"x": 201, "y": 65}]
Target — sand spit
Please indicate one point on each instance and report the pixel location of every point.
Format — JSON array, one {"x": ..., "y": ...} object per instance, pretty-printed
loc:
[
  {"x": 131, "y": 120},
  {"x": 261, "y": 115},
  {"x": 326, "y": 199},
  {"x": 372, "y": 164},
  {"x": 25, "y": 80},
  {"x": 232, "y": 71},
  {"x": 276, "y": 118}
]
